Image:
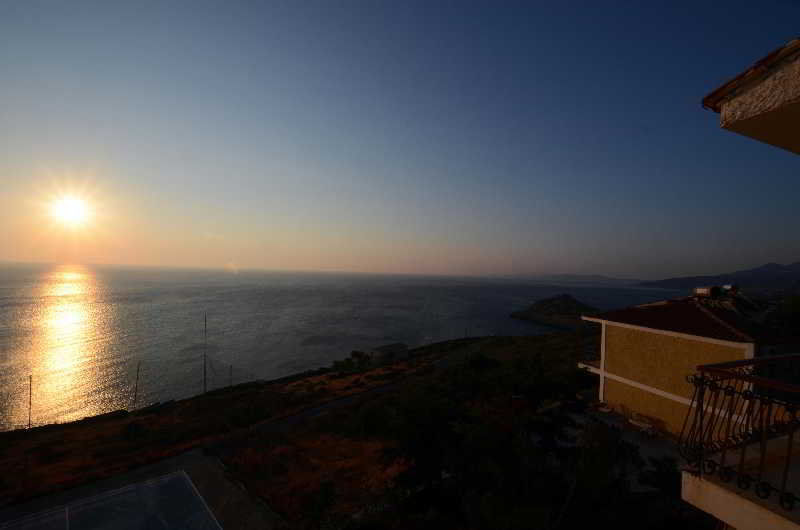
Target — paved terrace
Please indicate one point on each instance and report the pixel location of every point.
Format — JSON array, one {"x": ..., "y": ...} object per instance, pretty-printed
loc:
[{"x": 230, "y": 504}]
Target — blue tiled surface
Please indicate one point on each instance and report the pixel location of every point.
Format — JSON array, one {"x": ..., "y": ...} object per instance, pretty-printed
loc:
[{"x": 169, "y": 502}]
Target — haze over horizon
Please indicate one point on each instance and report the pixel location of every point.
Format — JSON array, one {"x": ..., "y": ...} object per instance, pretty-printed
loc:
[{"x": 457, "y": 139}]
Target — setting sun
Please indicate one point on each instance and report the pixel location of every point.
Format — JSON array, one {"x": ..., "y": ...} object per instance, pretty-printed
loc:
[{"x": 70, "y": 211}]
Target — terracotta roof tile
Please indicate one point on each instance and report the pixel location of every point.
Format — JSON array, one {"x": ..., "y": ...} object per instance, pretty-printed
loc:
[{"x": 693, "y": 317}]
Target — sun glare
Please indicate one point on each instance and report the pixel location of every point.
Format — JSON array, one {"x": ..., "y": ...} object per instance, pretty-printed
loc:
[{"x": 70, "y": 211}]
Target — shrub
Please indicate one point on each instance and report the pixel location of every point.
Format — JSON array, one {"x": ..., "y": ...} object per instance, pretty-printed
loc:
[{"x": 135, "y": 431}]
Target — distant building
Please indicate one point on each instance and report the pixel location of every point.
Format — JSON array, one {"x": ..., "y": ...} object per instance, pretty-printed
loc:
[{"x": 647, "y": 351}]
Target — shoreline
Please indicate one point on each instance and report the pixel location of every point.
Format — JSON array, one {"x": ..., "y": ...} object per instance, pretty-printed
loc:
[{"x": 421, "y": 351}]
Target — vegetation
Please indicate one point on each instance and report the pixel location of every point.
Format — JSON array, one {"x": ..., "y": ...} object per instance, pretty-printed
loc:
[
  {"x": 496, "y": 440},
  {"x": 50, "y": 458},
  {"x": 788, "y": 311},
  {"x": 474, "y": 433},
  {"x": 357, "y": 362}
]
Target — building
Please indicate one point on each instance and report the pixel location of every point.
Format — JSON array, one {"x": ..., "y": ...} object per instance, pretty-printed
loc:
[
  {"x": 739, "y": 440},
  {"x": 647, "y": 351},
  {"x": 763, "y": 102}
]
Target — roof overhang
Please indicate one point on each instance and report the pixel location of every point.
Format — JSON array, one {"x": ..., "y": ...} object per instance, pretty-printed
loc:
[
  {"x": 669, "y": 333},
  {"x": 763, "y": 102}
]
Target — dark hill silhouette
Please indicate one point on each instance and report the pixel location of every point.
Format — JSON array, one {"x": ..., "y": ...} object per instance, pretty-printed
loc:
[
  {"x": 767, "y": 276},
  {"x": 561, "y": 311}
]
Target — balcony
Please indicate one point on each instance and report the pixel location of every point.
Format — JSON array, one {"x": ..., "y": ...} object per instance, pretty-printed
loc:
[
  {"x": 593, "y": 365},
  {"x": 739, "y": 442}
]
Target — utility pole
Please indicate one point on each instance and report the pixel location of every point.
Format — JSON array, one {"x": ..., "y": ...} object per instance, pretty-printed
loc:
[
  {"x": 136, "y": 386},
  {"x": 30, "y": 398},
  {"x": 230, "y": 377},
  {"x": 205, "y": 348}
]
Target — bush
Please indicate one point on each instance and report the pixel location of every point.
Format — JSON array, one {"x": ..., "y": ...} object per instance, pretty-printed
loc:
[
  {"x": 482, "y": 363},
  {"x": 663, "y": 475},
  {"x": 321, "y": 501},
  {"x": 246, "y": 414},
  {"x": 134, "y": 431},
  {"x": 479, "y": 464}
]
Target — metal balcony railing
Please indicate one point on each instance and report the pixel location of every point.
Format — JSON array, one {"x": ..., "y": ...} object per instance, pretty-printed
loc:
[{"x": 742, "y": 424}]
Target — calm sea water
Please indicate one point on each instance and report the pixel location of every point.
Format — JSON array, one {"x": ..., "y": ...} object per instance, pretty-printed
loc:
[{"x": 81, "y": 331}]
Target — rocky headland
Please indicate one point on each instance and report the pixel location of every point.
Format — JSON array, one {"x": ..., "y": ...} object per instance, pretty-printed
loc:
[{"x": 562, "y": 311}]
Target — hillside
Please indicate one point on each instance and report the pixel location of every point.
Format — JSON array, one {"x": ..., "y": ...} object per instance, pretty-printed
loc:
[
  {"x": 769, "y": 276},
  {"x": 497, "y": 436},
  {"x": 486, "y": 432},
  {"x": 578, "y": 279}
]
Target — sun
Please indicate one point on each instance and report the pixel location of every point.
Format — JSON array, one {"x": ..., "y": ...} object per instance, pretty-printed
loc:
[{"x": 70, "y": 211}]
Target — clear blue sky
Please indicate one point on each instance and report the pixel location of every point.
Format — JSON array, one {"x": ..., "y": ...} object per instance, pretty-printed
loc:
[{"x": 429, "y": 137}]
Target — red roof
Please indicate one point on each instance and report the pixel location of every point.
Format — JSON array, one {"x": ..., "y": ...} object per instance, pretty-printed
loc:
[{"x": 714, "y": 319}]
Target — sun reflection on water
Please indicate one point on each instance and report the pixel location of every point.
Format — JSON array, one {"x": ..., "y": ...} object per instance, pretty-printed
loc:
[
  {"x": 67, "y": 283},
  {"x": 62, "y": 358},
  {"x": 66, "y": 327}
]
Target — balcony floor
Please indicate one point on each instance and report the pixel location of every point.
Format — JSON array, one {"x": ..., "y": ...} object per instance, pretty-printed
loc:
[{"x": 773, "y": 474}]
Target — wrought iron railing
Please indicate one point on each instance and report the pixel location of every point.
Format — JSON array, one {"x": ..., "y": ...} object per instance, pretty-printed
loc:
[{"x": 742, "y": 423}]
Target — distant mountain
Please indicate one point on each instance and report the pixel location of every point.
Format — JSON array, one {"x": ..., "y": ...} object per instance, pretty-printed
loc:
[
  {"x": 769, "y": 276},
  {"x": 571, "y": 279}
]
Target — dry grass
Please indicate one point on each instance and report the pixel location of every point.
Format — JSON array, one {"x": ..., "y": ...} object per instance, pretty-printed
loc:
[
  {"x": 291, "y": 472},
  {"x": 308, "y": 473},
  {"x": 46, "y": 459}
]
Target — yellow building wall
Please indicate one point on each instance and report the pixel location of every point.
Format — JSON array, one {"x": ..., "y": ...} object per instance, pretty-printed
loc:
[
  {"x": 661, "y": 361},
  {"x": 664, "y": 414}
]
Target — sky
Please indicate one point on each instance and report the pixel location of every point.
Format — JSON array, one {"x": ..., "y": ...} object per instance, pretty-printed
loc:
[{"x": 435, "y": 137}]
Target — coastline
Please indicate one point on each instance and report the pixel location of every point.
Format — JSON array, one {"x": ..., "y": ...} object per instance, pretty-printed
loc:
[{"x": 559, "y": 324}]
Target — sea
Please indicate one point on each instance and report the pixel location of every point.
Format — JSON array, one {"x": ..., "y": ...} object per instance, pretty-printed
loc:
[{"x": 74, "y": 337}]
